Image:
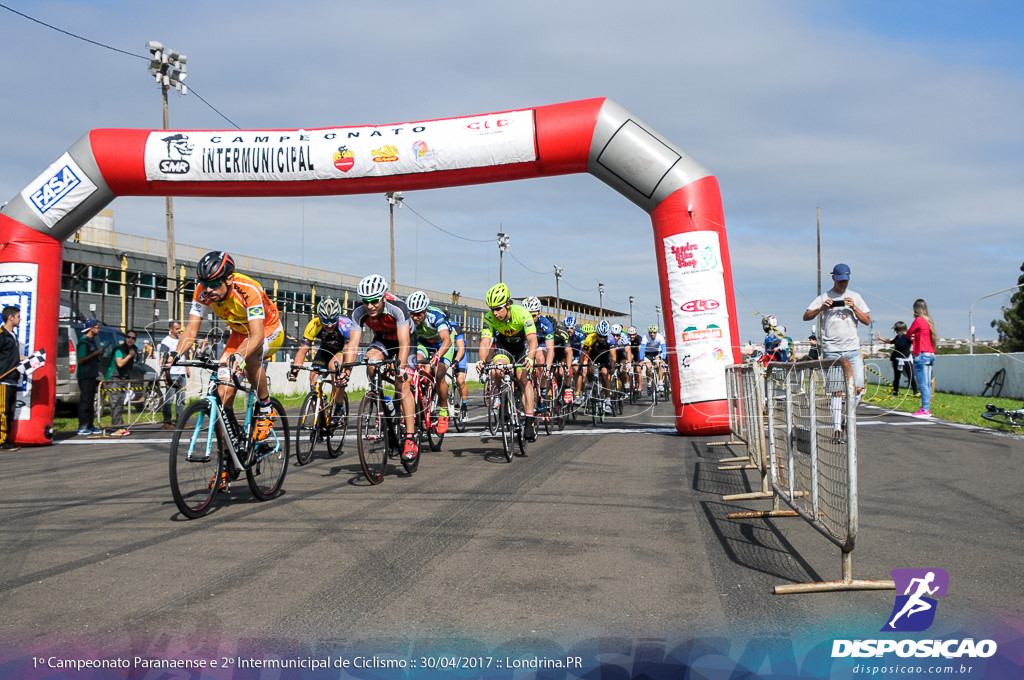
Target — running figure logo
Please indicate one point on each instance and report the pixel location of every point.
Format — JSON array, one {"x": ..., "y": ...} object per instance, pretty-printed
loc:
[{"x": 914, "y": 610}]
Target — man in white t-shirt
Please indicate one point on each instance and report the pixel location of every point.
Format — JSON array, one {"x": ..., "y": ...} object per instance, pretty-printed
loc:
[
  {"x": 175, "y": 377},
  {"x": 841, "y": 310}
]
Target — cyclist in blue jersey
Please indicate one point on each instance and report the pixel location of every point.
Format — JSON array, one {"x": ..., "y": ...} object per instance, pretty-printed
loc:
[
  {"x": 635, "y": 340},
  {"x": 545, "y": 354},
  {"x": 655, "y": 353},
  {"x": 460, "y": 364},
  {"x": 433, "y": 332}
]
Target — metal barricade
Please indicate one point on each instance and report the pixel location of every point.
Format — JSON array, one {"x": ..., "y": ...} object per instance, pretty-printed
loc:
[
  {"x": 811, "y": 434},
  {"x": 745, "y": 395}
]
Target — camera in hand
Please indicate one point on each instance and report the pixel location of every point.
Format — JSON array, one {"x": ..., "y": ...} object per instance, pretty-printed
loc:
[{"x": 839, "y": 303}]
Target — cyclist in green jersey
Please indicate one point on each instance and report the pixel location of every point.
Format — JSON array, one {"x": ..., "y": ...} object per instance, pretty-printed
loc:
[{"x": 510, "y": 336}]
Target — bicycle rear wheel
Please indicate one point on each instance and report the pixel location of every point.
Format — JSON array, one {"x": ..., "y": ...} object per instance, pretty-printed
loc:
[
  {"x": 337, "y": 425},
  {"x": 1011, "y": 418},
  {"x": 434, "y": 438},
  {"x": 197, "y": 450},
  {"x": 308, "y": 429},
  {"x": 504, "y": 418},
  {"x": 455, "y": 415},
  {"x": 520, "y": 425},
  {"x": 371, "y": 430},
  {"x": 270, "y": 465}
]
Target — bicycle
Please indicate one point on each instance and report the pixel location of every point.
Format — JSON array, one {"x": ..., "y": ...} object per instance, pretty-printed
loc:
[
  {"x": 456, "y": 409},
  {"x": 380, "y": 426},
  {"x": 210, "y": 449},
  {"x": 508, "y": 410},
  {"x": 1011, "y": 417},
  {"x": 314, "y": 424},
  {"x": 544, "y": 399},
  {"x": 427, "y": 407}
]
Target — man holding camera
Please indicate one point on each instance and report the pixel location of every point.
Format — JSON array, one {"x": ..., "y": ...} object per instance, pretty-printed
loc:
[{"x": 841, "y": 310}]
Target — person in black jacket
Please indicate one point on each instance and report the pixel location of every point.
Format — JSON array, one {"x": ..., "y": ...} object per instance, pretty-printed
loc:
[
  {"x": 900, "y": 357},
  {"x": 89, "y": 352},
  {"x": 10, "y": 357}
]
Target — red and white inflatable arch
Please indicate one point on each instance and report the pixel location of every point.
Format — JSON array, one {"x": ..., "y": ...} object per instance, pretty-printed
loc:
[{"x": 595, "y": 135}]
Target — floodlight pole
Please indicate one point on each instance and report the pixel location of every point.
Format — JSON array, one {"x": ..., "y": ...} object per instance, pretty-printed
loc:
[
  {"x": 503, "y": 239},
  {"x": 600, "y": 293},
  {"x": 394, "y": 197},
  {"x": 558, "y": 296},
  {"x": 631, "y": 301}
]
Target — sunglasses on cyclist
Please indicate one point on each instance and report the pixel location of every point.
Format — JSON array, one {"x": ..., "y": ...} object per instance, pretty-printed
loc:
[
  {"x": 329, "y": 322},
  {"x": 213, "y": 283},
  {"x": 372, "y": 301}
]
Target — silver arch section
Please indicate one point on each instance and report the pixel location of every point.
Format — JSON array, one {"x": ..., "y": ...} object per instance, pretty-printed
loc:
[
  {"x": 630, "y": 157},
  {"x": 75, "y": 181}
]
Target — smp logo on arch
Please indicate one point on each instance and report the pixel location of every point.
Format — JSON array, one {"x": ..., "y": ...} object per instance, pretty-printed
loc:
[{"x": 699, "y": 305}]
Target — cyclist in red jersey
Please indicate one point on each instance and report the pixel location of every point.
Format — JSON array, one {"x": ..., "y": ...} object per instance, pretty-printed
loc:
[{"x": 393, "y": 335}]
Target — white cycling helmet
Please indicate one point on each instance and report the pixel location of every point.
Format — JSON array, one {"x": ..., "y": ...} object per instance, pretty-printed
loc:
[
  {"x": 631, "y": 330},
  {"x": 603, "y": 327},
  {"x": 616, "y": 329},
  {"x": 372, "y": 286},
  {"x": 532, "y": 303},
  {"x": 570, "y": 322},
  {"x": 417, "y": 302}
]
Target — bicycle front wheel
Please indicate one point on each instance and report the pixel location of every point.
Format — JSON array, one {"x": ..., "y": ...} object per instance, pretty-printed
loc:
[
  {"x": 371, "y": 430},
  {"x": 337, "y": 425},
  {"x": 270, "y": 459},
  {"x": 309, "y": 429},
  {"x": 434, "y": 438},
  {"x": 1011, "y": 418},
  {"x": 197, "y": 450}
]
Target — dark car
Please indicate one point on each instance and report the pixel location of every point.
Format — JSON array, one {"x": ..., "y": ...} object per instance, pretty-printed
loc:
[{"x": 68, "y": 333}]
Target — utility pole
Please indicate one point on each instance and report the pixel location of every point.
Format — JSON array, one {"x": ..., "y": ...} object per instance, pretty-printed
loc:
[
  {"x": 394, "y": 197},
  {"x": 503, "y": 239},
  {"x": 168, "y": 67},
  {"x": 631, "y": 301},
  {"x": 819, "y": 250},
  {"x": 558, "y": 296},
  {"x": 600, "y": 292}
]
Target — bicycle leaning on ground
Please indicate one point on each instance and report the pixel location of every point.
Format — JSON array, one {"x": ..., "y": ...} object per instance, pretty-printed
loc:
[
  {"x": 1011, "y": 417},
  {"x": 324, "y": 416},
  {"x": 211, "y": 449}
]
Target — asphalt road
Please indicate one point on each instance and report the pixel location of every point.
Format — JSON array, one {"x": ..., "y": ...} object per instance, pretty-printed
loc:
[{"x": 617, "y": 533}]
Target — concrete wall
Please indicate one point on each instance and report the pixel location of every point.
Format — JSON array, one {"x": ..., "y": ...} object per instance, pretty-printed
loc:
[{"x": 966, "y": 373}]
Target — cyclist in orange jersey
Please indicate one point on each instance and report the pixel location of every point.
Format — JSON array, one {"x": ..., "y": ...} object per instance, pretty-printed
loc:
[{"x": 256, "y": 332}]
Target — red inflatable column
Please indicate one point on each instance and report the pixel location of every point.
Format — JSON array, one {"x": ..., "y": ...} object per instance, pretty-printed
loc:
[
  {"x": 30, "y": 263},
  {"x": 699, "y": 307}
]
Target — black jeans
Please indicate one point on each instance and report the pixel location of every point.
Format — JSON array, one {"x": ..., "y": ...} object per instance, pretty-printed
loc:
[
  {"x": 907, "y": 370},
  {"x": 87, "y": 402}
]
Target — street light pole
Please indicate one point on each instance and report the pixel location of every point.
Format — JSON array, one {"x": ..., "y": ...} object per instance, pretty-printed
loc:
[
  {"x": 631, "y": 301},
  {"x": 503, "y": 239},
  {"x": 168, "y": 67},
  {"x": 393, "y": 198},
  {"x": 558, "y": 296},
  {"x": 970, "y": 314},
  {"x": 600, "y": 292}
]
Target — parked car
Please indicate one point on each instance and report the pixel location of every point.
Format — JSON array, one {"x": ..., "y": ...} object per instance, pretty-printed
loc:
[{"x": 68, "y": 333}]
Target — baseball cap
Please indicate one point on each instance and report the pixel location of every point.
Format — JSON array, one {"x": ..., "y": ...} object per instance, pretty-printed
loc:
[
  {"x": 90, "y": 323},
  {"x": 841, "y": 272}
]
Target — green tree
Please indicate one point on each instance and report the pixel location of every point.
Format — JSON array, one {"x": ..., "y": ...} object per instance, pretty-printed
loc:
[{"x": 1011, "y": 327}]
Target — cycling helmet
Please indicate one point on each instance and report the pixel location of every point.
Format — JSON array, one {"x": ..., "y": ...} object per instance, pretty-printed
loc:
[
  {"x": 616, "y": 329},
  {"x": 603, "y": 327},
  {"x": 372, "y": 286},
  {"x": 631, "y": 330},
  {"x": 328, "y": 310},
  {"x": 498, "y": 296},
  {"x": 417, "y": 302},
  {"x": 215, "y": 265},
  {"x": 653, "y": 328},
  {"x": 532, "y": 303},
  {"x": 588, "y": 328},
  {"x": 570, "y": 322}
]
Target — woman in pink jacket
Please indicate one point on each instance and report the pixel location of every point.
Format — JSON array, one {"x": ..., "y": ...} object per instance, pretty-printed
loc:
[{"x": 922, "y": 332}]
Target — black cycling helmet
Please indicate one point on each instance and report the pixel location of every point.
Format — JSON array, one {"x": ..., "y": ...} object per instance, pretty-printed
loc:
[{"x": 215, "y": 265}]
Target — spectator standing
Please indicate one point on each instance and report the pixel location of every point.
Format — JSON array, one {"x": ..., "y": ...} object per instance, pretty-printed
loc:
[
  {"x": 840, "y": 310},
  {"x": 922, "y": 333},
  {"x": 89, "y": 352},
  {"x": 900, "y": 358},
  {"x": 813, "y": 351},
  {"x": 10, "y": 357},
  {"x": 175, "y": 377},
  {"x": 119, "y": 375}
]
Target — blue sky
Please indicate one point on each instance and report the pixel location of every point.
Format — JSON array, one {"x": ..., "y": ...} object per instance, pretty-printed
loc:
[{"x": 901, "y": 121}]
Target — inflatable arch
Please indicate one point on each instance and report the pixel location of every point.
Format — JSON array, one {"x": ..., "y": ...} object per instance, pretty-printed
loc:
[{"x": 596, "y": 136}]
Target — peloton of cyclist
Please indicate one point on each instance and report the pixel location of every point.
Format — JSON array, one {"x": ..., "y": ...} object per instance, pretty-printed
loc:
[
  {"x": 256, "y": 332},
  {"x": 624, "y": 353},
  {"x": 333, "y": 330},
  {"x": 563, "y": 347},
  {"x": 434, "y": 338},
  {"x": 510, "y": 336},
  {"x": 655, "y": 353},
  {"x": 393, "y": 335},
  {"x": 637, "y": 356}
]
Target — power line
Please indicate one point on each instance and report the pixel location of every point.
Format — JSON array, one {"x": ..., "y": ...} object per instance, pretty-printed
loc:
[
  {"x": 114, "y": 49},
  {"x": 452, "y": 234}
]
